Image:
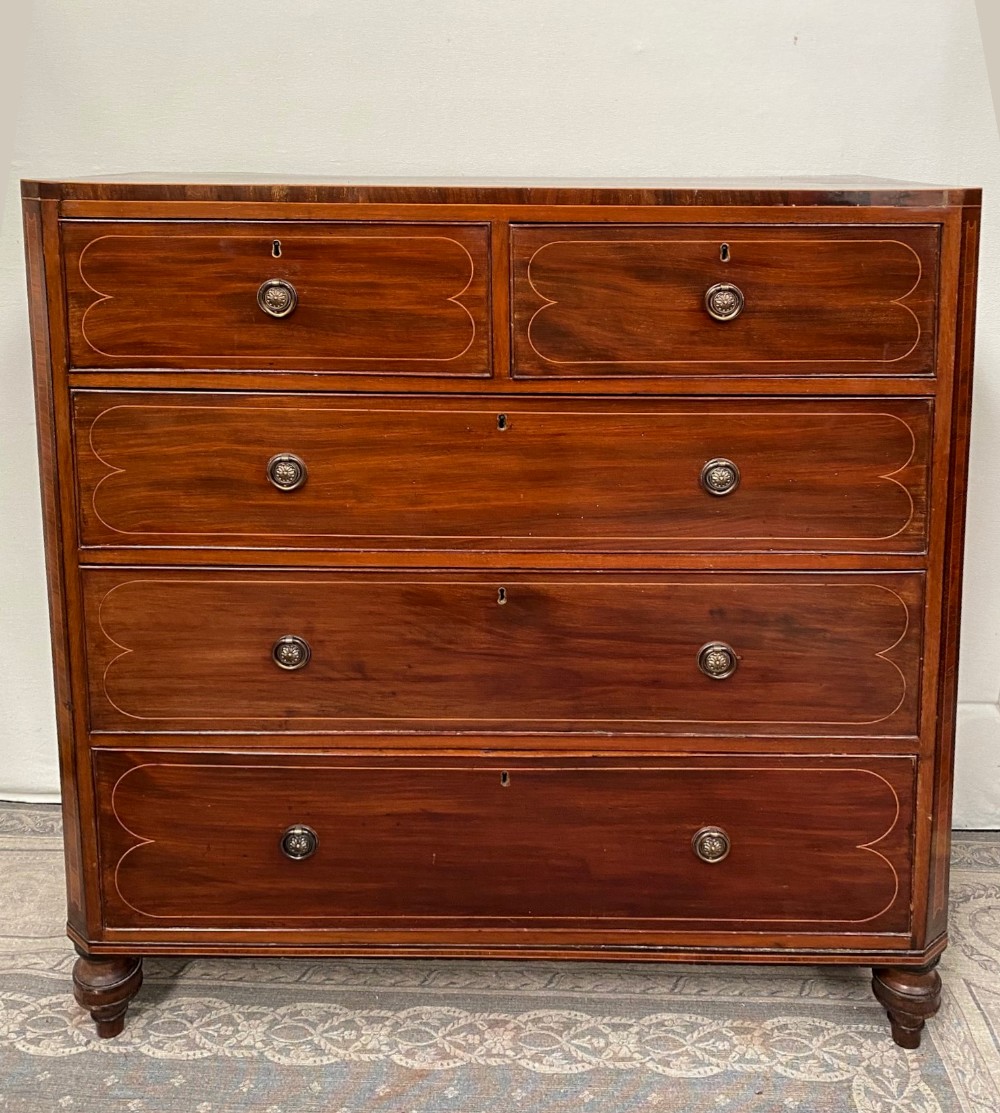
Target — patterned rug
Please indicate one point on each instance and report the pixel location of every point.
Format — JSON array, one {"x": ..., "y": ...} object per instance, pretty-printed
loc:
[{"x": 308, "y": 1036}]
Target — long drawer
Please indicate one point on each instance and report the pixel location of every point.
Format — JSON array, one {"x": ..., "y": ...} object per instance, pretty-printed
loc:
[
  {"x": 308, "y": 472},
  {"x": 237, "y": 840},
  {"x": 649, "y": 300},
  {"x": 297, "y": 650},
  {"x": 348, "y": 298}
]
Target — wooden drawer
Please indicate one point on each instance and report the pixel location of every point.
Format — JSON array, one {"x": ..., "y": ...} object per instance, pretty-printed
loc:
[
  {"x": 816, "y": 654},
  {"x": 592, "y": 302},
  {"x": 404, "y": 844},
  {"x": 181, "y": 470},
  {"x": 393, "y": 299}
]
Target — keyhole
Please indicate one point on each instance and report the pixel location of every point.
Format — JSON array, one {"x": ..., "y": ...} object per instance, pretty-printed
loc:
[
  {"x": 502, "y": 596},
  {"x": 724, "y": 253},
  {"x": 505, "y": 779},
  {"x": 501, "y": 422},
  {"x": 276, "y": 249}
]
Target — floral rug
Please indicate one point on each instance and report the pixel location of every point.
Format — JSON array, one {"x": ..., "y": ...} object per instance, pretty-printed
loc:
[{"x": 327, "y": 1036}]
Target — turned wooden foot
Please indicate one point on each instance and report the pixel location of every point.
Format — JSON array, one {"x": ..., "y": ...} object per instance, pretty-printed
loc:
[
  {"x": 105, "y": 986},
  {"x": 910, "y": 995}
]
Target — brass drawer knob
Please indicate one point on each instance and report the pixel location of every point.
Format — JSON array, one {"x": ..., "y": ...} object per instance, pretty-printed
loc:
[
  {"x": 717, "y": 660},
  {"x": 277, "y": 297},
  {"x": 291, "y": 652},
  {"x": 724, "y": 301},
  {"x": 299, "y": 842},
  {"x": 711, "y": 844},
  {"x": 720, "y": 477},
  {"x": 286, "y": 471}
]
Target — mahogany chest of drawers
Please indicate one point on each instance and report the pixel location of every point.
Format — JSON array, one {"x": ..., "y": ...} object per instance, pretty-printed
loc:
[{"x": 563, "y": 571}]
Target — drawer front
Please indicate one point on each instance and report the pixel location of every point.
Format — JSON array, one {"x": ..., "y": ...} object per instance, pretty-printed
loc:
[
  {"x": 392, "y": 299},
  {"x": 181, "y": 470},
  {"x": 196, "y": 841},
  {"x": 820, "y": 654},
  {"x": 592, "y": 302}
]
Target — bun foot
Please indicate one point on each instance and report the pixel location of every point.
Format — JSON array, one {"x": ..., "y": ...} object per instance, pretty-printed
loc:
[
  {"x": 911, "y": 995},
  {"x": 105, "y": 986}
]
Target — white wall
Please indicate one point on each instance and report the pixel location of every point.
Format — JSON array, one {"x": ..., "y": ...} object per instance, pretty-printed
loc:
[{"x": 895, "y": 88}]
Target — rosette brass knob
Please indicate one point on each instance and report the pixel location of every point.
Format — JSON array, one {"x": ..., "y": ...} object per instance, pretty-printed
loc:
[
  {"x": 277, "y": 297},
  {"x": 711, "y": 844},
  {"x": 299, "y": 842},
  {"x": 286, "y": 471},
  {"x": 720, "y": 477},
  {"x": 717, "y": 660},
  {"x": 291, "y": 652},
  {"x": 724, "y": 301}
]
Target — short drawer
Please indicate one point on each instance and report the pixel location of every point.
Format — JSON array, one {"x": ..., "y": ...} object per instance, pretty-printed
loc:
[
  {"x": 638, "y": 301},
  {"x": 301, "y": 471},
  {"x": 234, "y": 840},
  {"x": 387, "y": 299},
  {"x": 308, "y": 651}
]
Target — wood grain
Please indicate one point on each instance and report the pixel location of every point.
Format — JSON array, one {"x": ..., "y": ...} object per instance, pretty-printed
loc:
[
  {"x": 235, "y": 189},
  {"x": 398, "y": 298},
  {"x": 818, "y": 654},
  {"x": 953, "y": 476},
  {"x": 52, "y": 428},
  {"x": 591, "y": 302},
  {"x": 481, "y": 844},
  {"x": 438, "y": 475}
]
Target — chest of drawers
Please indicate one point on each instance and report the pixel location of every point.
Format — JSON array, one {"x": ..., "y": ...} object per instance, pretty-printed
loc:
[{"x": 506, "y": 571}]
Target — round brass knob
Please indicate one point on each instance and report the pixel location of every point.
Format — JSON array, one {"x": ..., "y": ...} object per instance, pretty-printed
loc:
[
  {"x": 291, "y": 652},
  {"x": 717, "y": 660},
  {"x": 724, "y": 301},
  {"x": 299, "y": 842},
  {"x": 711, "y": 844},
  {"x": 286, "y": 471},
  {"x": 277, "y": 297},
  {"x": 720, "y": 477}
]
